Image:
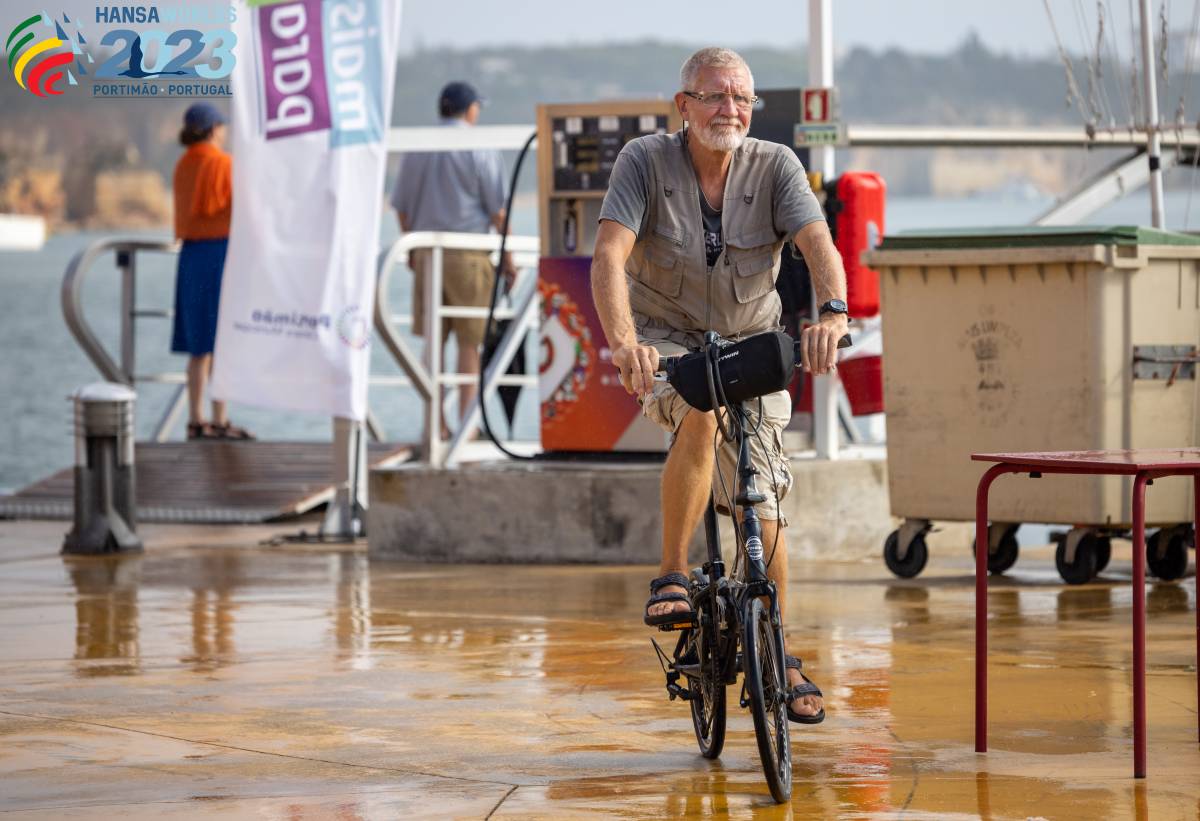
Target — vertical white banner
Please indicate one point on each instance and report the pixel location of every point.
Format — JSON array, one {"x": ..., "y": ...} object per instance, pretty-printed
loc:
[{"x": 312, "y": 99}]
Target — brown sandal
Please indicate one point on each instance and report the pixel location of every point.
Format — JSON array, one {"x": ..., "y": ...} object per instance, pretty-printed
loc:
[
  {"x": 232, "y": 431},
  {"x": 202, "y": 430}
]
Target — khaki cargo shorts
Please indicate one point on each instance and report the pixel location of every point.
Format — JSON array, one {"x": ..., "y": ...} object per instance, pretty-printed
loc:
[
  {"x": 467, "y": 278},
  {"x": 666, "y": 408}
]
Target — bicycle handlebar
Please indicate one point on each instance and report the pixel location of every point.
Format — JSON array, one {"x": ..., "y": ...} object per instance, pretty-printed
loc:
[{"x": 665, "y": 363}]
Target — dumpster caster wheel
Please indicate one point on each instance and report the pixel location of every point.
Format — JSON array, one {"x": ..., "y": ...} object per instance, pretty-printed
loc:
[
  {"x": 1007, "y": 550},
  {"x": 1166, "y": 553},
  {"x": 1103, "y": 552},
  {"x": 1083, "y": 568},
  {"x": 914, "y": 560}
]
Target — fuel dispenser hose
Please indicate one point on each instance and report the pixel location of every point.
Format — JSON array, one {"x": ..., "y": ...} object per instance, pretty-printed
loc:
[{"x": 491, "y": 318}]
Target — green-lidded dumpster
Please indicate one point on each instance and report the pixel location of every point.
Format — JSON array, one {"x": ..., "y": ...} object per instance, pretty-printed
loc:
[{"x": 1038, "y": 339}]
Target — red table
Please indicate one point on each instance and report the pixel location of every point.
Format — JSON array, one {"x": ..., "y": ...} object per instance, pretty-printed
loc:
[{"x": 1145, "y": 466}]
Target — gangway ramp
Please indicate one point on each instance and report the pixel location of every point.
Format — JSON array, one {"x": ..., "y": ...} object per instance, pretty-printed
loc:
[{"x": 212, "y": 482}]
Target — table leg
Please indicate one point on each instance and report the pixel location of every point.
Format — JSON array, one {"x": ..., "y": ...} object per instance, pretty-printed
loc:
[
  {"x": 981, "y": 557},
  {"x": 1139, "y": 625}
]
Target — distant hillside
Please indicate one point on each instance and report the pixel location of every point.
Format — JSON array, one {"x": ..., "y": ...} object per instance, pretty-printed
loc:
[
  {"x": 971, "y": 86},
  {"x": 51, "y": 151}
]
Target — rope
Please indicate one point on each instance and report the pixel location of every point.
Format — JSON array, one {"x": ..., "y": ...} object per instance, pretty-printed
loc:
[
  {"x": 1072, "y": 87},
  {"x": 1098, "y": 54},
  {"x": 1188, "y": 66},
  {"x": 1093, "y": 97},
  {"x": 1116, "y": 60}
]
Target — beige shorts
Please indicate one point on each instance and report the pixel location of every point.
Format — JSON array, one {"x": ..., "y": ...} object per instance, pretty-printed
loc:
[
  {"x": 467, "y": 278},
  {"x": 666, "y": 408}
]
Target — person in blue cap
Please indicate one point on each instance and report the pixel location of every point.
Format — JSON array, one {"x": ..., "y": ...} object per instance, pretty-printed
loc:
[
  {"x": 203, "y": 190},
  {"x": 464, "y": 192}
]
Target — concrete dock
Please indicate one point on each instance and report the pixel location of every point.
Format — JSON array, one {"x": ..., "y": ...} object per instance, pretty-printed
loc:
[
  {"x": 604, "y": 513},
  {"x": 216, "y": 676}
]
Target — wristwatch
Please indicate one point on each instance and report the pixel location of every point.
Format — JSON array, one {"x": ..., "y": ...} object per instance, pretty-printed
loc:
[{"x": 833, "y": 306}]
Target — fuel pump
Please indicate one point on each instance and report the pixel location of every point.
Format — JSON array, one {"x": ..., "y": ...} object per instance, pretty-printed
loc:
[{"x": 584, "y": 408}]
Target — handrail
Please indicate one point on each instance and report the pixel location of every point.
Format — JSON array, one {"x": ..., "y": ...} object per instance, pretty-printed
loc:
[
  {"x": 525, "y": 254},
  {"x": 72, "y": 305},
  {"x": 427, "y": 376}
]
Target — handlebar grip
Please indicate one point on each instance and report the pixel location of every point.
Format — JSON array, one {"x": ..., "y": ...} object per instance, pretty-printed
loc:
[{"x": 845, "y": 341}]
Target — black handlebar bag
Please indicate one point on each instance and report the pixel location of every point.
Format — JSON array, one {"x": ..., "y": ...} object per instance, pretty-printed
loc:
[{"x": 756, "y": 366}]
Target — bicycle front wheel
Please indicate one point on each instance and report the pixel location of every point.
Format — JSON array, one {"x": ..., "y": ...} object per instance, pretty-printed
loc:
[{"x": 766, "y": 687}]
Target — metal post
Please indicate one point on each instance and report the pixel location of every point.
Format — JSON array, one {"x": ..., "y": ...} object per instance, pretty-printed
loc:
[
  {"x": 820, "y": 73},
  {"x": 344, "y": 516},
  {"x": 1150, "y": 90},
  {"x": 433, "y": 355},
  {"x": 1139, "y": 624},
  {"x": 105, "y": 516},
  {"x": 126, "y": 261}
]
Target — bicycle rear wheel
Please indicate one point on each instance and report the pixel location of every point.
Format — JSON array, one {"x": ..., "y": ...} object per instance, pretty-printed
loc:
[
  {"x": 708, "y": 696},
  {"x": 766, "y": 686}
]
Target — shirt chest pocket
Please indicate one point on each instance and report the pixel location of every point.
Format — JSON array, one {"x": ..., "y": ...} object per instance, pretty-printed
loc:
[
  {"x": 662, "y": 264},
  {"x": 754, "y": 274},
  {"x": 749, "y": 222}
]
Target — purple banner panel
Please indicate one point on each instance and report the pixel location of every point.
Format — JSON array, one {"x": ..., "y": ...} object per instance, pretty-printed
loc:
[{"x": 293, "y": 61}]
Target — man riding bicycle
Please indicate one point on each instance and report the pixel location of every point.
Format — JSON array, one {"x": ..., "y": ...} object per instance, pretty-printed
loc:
[{"x": 689, "y": 240}]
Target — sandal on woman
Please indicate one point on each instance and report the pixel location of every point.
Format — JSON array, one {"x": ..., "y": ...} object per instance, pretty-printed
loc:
[
  {"x": 675, "y": 616},
  {"x": 800, "y": 691},
  {"x": 202, "y": 430},
  {"x": 232, "y": 431}
]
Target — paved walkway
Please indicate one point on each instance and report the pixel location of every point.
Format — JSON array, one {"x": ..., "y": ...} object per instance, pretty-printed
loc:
[{"x": 214, "y": 676}]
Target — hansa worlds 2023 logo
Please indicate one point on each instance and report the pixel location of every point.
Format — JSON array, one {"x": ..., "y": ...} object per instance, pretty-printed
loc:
[
  {"x": 39, "y": 59},
  {"x": 191, "y": 56}
]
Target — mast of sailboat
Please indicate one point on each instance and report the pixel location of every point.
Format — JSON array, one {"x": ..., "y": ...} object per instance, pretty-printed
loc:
[{"x": 1154, "y": 146}]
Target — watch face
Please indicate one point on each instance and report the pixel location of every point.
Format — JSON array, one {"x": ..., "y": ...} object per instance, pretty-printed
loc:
[{"x": 836, "y": 305}]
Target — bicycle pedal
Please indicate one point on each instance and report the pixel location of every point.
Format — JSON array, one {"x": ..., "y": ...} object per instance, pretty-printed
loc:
[{"x": 674, "y": 626}]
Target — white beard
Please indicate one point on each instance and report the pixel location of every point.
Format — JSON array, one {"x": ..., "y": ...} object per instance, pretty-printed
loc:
[{"x": 720, "y": 138}]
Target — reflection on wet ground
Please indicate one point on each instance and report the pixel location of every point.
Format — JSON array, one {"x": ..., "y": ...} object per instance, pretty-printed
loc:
[{"x": 311, "y": 683}]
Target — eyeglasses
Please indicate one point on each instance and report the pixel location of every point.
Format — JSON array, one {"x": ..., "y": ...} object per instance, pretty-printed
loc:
[{"x": 716, "y": 99}]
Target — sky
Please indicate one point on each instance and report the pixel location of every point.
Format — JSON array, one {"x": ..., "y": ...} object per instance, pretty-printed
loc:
[{"x": 1017, "y": 27}]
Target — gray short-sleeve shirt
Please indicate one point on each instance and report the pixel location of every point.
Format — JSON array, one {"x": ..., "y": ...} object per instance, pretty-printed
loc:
[
  {"x": 794, "y": 204},
  {"x": 450, "y": 190}
]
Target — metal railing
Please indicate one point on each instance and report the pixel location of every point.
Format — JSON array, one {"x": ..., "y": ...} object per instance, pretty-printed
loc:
[
  {"x": 125, "y": 371},
  {"x": 429, "y": 377}
]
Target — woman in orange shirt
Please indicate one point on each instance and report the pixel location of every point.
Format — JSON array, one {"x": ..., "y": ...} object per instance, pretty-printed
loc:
[{"x": 203, "y": 187}]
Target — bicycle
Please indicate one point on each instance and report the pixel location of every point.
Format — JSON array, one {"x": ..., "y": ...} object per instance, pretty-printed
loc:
[{"x": 735, "y": 621}]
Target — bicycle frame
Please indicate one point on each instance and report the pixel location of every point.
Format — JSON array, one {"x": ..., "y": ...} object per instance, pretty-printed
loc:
[{"x": 717, "y": 586}]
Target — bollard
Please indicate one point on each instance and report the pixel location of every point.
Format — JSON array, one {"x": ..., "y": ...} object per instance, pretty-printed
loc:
[{"x": 105, "y": 516}]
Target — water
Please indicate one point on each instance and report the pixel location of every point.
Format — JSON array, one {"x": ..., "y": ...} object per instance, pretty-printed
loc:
[{"x": 42, "y": 364}]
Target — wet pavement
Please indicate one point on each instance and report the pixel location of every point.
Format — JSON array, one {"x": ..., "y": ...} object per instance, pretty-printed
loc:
[{"x": 215, "y": 676}]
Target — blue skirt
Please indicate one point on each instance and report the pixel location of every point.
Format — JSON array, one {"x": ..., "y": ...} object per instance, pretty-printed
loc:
[{"x": 197, "y": 295}]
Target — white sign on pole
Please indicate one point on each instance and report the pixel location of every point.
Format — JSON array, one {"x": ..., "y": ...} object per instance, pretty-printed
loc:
[
  {"x": 812, "y": 135},
  {"x": 311, "y": 107}
]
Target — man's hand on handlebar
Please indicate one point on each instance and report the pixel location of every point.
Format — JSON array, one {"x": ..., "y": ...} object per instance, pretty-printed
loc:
[
  {"x": 819, "y": 343},
  {"x": 637, "y": 364}
]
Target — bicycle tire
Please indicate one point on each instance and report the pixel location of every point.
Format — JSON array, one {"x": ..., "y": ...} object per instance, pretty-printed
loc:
[
  {"x": 708, "y": 698},
  {"x": 766, "y": 685}
]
